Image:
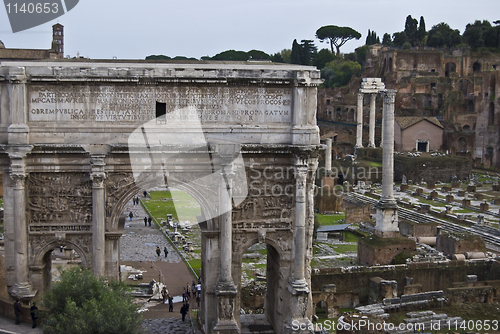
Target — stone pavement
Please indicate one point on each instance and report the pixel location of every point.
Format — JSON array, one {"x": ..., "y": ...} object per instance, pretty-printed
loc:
[
  {"x": 8, "y": 326},
  {"x": 170, "y": 326}
]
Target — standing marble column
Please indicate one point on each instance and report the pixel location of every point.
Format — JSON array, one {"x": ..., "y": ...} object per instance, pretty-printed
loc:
[
  {"x": 359, "y": 120},
  {"x": 328, "y": 156},
  {"x": 22, "y": 287},
  {"x": 371, "y": 131},
  {"x": 384, "y": 107},
  {"x": 225, "y": 223},
  {"x": 226, "y": 289},
  {"x": 387, "y": 217},
  {"x": 300, "y": 220},
  {"x": 299, "y": 287},
  {"x": 98, "y": 213}
]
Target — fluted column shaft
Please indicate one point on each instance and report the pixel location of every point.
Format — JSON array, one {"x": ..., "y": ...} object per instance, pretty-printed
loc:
[
  {"x": 371, "y": 131},
  {"x": 359, "y": 120}
]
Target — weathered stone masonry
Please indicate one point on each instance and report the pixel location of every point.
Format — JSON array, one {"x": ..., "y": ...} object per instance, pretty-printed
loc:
[{"x": 69, "y": 159}]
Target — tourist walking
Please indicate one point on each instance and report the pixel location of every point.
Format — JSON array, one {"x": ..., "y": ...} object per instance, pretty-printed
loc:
[
  {"x": 164, "y": 294},
  {"x": 198, "y": 289},
  {"x": 131, "y": 215},
  {"x": 34, "y": 314},
  {"x": 193, "y": 289},
  {"x": 145, "y": 193},
  {"x": 158, "y": 251},
  {"x": 165, "y": 250},
  {"x": 184, "y": 311},
  {"x": 170, "y": 303},
  {"x": 146, "y": 221},
  {"x": 188, "y": 290},
  {"x": 150, "y": 220},
  {"x": 184, "y": 296}
]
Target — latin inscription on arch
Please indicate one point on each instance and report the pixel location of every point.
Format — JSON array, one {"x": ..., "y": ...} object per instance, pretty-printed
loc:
[{"x": 137, "y": 104}]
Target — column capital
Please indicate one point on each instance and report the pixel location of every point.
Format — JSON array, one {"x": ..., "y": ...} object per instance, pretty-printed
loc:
[
  {"x": 98, "y": 179},
  {"x": 389, "y": 95}
]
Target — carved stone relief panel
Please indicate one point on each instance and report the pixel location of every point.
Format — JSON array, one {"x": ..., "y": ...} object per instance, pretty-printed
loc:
[
  {"x": 59, "y": 201},
  {"x": 117, "y": 184},
  {"x": 226, "y": 308},
  {"x": 271, "y": 194}
]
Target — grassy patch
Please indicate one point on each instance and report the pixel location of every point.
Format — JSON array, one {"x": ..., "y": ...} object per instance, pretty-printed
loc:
[
  {"x": 345, "y": 248},
  {"x": 351, "y": 237},
  {"x": 325, "y": 220},
  {"x": 433, "y": 203},
  {"x": 263, "y": 251},
  {"x": 464, "y": 211},
  {"x": 195, "y": 264},
  {"x": 177, "y": 203}
]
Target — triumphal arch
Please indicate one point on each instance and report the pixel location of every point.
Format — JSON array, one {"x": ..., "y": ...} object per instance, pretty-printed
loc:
[{"x": 79, "y": 138}]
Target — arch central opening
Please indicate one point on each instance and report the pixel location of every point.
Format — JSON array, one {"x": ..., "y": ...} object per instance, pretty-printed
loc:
[
  {"x": 160, "y": 247},
  {"x": 259, "y": 286}
]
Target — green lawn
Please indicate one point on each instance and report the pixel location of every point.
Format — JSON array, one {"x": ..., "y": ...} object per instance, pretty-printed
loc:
[
  {"x": 345, "y": 248},
  {"x": 179, "y": 204},
  {"x": 325, "y": 220},
  {"x": 196, "y": 265}
]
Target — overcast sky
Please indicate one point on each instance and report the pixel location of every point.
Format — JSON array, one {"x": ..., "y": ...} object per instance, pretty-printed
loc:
[{"x": 135, "y": 29}]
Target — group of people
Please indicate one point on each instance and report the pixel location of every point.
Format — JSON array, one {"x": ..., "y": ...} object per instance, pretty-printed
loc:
[
  {"x": 18, "y": 311},
  {"x": 193, "y": 290},
  {"x": 166, "y": 296},
  {"x": 135, "y": 199},
  {"x": 158, "y": 251},
  {"x": 148, "y": 220}
]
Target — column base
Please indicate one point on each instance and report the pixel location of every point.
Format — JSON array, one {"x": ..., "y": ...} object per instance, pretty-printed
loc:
[
  {"x": 358, "y": 146},
  {"x": 226, "y": 327},
  {"x": 23, "y": 291},
  {"x": 226, "y": 293},
  {"x": 298, "y": 287},
  {"x": 371, "y": 145},
  {"x": 387, "y": 223}
]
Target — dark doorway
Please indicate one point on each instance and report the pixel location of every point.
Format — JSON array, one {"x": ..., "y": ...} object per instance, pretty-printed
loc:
[
  {"x": 422, "y": 146},
  {"x": 476, "y": 67}
]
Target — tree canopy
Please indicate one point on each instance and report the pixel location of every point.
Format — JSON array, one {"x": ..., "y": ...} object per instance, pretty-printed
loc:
[
  {"x": 337, "y": 36},
  {"x": 81, "y": 303},
  {"x": 338, "y": 72},
  {"x": 482, "y": 34},
  {"x": 441, "y": 35}
]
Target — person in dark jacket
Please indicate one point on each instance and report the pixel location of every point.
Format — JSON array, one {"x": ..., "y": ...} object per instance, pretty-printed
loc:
[
  {"x": 170, "y": 303},
  {"x": 34, "y": 314},
  {"x": 17, "y": 311},
  {"x": 184, "y": 311}
]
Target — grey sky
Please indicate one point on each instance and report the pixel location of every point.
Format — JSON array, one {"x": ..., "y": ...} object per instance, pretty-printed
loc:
[{"x": 135, "y": 29}]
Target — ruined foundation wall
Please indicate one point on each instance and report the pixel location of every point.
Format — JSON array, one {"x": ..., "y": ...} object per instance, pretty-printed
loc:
[{"x": 431, "y": 276}]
